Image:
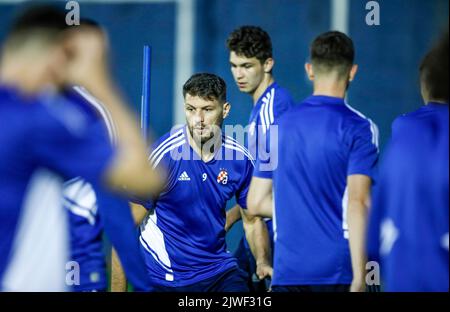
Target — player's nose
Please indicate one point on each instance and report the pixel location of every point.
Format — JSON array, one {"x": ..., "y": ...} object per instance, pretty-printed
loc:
[
  {"x": 239, "y": 73},
  {"x": 198, "y": 117}
]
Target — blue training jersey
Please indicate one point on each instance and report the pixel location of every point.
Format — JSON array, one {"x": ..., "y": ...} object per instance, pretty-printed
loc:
[
  {"x": 42, "y": 143},
  {"x": 80, "y": 200},
  {"x": 274, "y": 102},
  {"x": 94, "y": 210},
  {"x": 408, "y": 229},
  {"x": 183, "y": 236},
  {"x": 320, "y": 143}
]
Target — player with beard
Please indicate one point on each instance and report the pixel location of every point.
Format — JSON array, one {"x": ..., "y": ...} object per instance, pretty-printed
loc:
[{"x": 183, "y": 235}]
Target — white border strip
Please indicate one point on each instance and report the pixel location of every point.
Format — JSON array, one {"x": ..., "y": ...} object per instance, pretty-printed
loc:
[{"x": 184, "y": 59}]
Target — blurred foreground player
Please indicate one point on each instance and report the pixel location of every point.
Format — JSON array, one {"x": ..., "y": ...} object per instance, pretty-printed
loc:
[
  {"x": 93, "y": 212},
  {"x": 182, "y": 237},
  {"x": 327, "y": 153},
  {"x": 44, "y": 142},
  {"x": 409, "y": 222}
]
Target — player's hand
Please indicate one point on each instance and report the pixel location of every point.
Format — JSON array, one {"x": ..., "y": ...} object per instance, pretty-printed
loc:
[
  {"x": 264, "y": 270},
  {"x": 358, "y": 285}
]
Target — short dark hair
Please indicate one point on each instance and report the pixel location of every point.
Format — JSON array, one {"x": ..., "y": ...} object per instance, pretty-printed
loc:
[
  {"x": 250, "y": 41},
  {"x": 90, "y": 23},
  {"x": 434, "y": 70},
  {"x": 47, "y": 21},
  {"x": 206, "y": 86},
  {"x": 333, "y": 51}
]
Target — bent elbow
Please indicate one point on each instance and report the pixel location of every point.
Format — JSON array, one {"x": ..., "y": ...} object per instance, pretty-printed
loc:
[
  {"x": 148, "y": 182},
  {"x": 253, "y": 206}
]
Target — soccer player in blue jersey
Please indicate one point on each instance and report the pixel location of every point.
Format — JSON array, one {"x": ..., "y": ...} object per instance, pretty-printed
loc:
[
  {"x": 408, "y": 229},
  {"x": 93, "y": 212},
  {"x": 44, "y": 142},
  {"x": 183, "y": 237},
  {"x": 321, "y": 184},
  {"x": 252, "y": 65}
]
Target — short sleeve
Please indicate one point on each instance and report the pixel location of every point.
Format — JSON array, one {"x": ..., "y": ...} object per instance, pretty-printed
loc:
[
  {"x": 241, "y": 194},
  {"x": 267, "y": 160},
  {"x": 267, "y": 154},
  {"x": 363, "y": 156}
]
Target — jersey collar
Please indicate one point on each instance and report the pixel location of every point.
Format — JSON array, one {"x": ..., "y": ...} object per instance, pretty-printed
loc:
[
  {"x": 263, "y": 95},
  {"x": 194, "y": 155},
  {"x": 324, "y": 99},
  {"x": 437, "y": 106}
]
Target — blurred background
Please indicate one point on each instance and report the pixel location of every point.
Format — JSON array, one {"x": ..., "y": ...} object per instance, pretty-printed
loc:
[{"x": 188, "y": 36}]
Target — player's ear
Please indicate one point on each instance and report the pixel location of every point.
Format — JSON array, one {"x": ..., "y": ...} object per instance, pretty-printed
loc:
[
  {"x": 226, "y": 110},
  {"x": 58, "y": 64},
  {"x": 424, "y": 92},
  {"x": 353, "y": 72},
  {"x": 268, "y": 65},
  {"x": 309, "y": 71}
]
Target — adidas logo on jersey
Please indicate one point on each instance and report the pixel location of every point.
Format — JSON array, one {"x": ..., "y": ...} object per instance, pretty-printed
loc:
[{"x": 184, "y": 177}]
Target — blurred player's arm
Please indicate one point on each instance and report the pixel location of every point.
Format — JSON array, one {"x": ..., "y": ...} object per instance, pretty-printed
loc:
[
  {"x": 118, "y": 278},
  {"x": 89, "y": 69},
  {"x": 258, "y": 239},
  {"x": 233, "y": 216},
  {"x": 259, "y": 199},
  {"x": 138, "y": 212},
  {"x": 357, "y": 214}
]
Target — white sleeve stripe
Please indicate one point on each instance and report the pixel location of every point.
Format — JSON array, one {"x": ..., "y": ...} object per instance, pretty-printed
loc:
[
  {"x": 168, "y": 149},
  {"x": 234, "y": 147},
  {"x": 374, "y": 130},
  {"x": 160, "y": 146},
  {"x": 237, "y": 149},
  {"x": 71, "y": 203},
  {"x": 101, "y": 109},
  {"x": 263, "y": 121},
  {"x": 228, "y": 138},
  {"x": 232, "y": 139},
  {"x": 81, "y": 212},
  {"x": 373, "y": 126},
  {"x": 377, "y": 136},
  {"x": 266, "y": 112},
  {"x": 272, "y": 98},
  {"x": 235, "y": 143}
]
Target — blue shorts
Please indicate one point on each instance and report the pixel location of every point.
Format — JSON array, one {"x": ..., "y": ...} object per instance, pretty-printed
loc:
[{"x": 233, "y": 280}]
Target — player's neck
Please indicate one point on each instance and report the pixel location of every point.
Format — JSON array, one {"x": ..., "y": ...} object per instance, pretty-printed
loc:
[
  {"x": 267, "y": 81},
  {"x": 29, "y": 79},
  {"x": 336, "y": 89},
  {"x": 438, "y": 101},
  {"x": 207, "y": 150}
]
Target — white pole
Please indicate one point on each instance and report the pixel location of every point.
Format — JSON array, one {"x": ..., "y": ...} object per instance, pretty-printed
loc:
[{"x": 340, "y": 10}]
